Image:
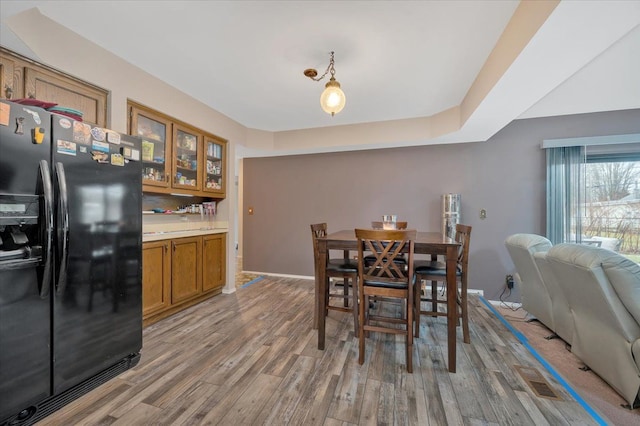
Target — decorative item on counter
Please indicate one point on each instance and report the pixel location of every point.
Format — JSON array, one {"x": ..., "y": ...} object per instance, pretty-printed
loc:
[
  {"x": 389, "y": 221},
  {"x": 209, "y": 210}
]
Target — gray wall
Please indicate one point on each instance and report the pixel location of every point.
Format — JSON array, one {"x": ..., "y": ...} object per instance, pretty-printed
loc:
[{"x": 504, "y": 175}]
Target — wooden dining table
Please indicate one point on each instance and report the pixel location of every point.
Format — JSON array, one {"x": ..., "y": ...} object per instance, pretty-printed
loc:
[{"x": 433, "y": 243}]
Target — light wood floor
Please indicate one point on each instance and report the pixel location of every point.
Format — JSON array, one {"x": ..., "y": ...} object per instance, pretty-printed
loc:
[{"x": 251, "y": 358}]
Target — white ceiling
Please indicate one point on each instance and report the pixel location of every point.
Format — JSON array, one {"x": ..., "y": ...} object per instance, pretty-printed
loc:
[{"x": 394, "y": 59}]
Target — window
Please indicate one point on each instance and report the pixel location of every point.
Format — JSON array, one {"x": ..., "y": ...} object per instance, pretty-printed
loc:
[
  {"x": 593, "y": 193},
  {"x": 611, "y": 213}
]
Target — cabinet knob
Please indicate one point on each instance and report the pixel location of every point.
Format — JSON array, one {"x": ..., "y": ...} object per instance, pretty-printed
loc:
[
  {"x": 8, "y": 91},
  {"x": 166, "y": 248}
]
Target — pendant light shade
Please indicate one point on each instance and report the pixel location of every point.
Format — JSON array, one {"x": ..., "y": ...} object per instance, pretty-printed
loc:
[{"x": 332, "y": 99}]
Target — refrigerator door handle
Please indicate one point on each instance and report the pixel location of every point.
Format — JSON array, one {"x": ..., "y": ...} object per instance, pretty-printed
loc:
[
  {"x": 47, "y": 193},
  {"x": 63, "y": 229}
]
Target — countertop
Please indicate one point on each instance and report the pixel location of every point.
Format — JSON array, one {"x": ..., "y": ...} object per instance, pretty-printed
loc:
[{"x": 159, "y": 236}]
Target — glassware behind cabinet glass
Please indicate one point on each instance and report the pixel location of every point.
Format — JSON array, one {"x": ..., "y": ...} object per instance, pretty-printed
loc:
[
  {"x": 154, "y": 149},
  {"x": 186, "y": 159},
  {"x": 213, "y": 166}
]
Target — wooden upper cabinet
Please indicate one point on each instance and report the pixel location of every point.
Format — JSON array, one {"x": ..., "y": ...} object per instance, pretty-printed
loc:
[
  {"x": 50, "y": 86},
  {"x": 215, "y": 165},
  {"x": 178, "y": 158},
  {"x": 187, "y": 158},
  {"x": 21, "y": 77},
  {"x": 155, "y": 131},
  {"x": 9, "y": 79}
]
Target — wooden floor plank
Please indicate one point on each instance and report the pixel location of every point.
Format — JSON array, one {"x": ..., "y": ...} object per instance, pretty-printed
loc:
[
  {"x": 347, "y": 399},
  {"x": 251, "y": 402},
  {"x": 283, "y": 402},
  {"x": 251, "y": 358},
  {"x": 138, "y": 415}
]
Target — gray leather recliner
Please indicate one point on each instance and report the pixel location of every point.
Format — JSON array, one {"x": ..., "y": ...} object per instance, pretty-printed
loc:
[
  {"x": 603, "y": 294},
  {"x": 536, "y": 298}
]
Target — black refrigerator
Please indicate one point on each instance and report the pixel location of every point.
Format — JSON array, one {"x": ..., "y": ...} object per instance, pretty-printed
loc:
[{"x": 70, "y": 259}]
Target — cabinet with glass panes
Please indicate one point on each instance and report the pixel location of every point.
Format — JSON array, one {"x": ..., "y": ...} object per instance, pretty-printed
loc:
[
  {"x": 177, "y": 157},
  {"x": 155, "y": 131},
  {"x": 214, "y": 165},
  {"x": 187, "y": 149}
]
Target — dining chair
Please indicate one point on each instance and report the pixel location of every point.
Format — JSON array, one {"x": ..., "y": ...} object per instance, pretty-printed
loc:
[
  {"x": 436, "y": 272},
  {"x": 344, "y": 268},
  {"x": 386, "y": 279}
]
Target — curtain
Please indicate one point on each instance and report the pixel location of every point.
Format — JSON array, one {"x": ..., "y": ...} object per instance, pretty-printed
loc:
[{"x": 565, "y": 193}]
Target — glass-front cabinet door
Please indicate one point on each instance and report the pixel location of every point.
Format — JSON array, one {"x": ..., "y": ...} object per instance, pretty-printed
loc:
[
  {"x": 214, "y": 166},
  {"x": 187, "y": 148},
  {"x": 156, "y": 150}
]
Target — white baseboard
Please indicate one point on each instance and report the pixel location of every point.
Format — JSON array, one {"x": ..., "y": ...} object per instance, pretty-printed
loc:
[
  {"x": 310, "y": 277},
  {"x": 300, "y": 277}
]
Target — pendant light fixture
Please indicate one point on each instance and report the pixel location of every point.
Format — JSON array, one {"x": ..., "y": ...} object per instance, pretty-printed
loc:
[{"x": 332, "y": 99}]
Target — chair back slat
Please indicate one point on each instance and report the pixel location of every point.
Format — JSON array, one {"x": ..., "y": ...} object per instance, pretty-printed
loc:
[
  {"x": 385, "y": 246},
  {"x": 463, "y": 236},
  {"x": 318, "y": 230}
]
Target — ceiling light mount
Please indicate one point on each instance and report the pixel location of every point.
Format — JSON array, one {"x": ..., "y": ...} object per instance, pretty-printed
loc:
[{"x": 332, "y": 99}]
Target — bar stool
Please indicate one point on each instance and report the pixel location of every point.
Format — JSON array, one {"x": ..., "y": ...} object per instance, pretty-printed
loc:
[
  {"x": 437, "y": 272},
  {"x": 344, "y": 268},
  {"x": 388, "y": 279}
]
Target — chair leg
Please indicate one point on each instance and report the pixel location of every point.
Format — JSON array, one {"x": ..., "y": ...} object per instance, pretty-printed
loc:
[
  {"x": 361, "y": 322},
  {"x": 409, "y": 337},
  {"x": 417, "y": 298},
  {"x": 434, "y": 296},
  {"x": 355, "y": 309},
  {"x": 345, "y": 290},
  {"x": 465, "y": 316},
  {"x": 326, "y": 297}
]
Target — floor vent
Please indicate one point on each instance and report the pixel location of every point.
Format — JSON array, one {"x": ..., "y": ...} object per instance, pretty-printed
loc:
[{"x": 537, "y": 383}]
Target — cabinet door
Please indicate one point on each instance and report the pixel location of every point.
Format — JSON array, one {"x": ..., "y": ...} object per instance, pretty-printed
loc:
[
  {"x": 10, "y": 76},
  {"x": 187, "y": 149},
  {"x": 214, "y": 166},
  {"x": 186, "y": 273},
  {"x": 48, "y": 86},
  {"x": 155, "y": 132},
  {"x": 213, "y": 262},
  {"x": 156, "y": 277}
]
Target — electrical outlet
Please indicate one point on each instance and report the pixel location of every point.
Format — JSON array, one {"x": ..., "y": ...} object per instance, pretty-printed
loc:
[{"x": 509, "y": 281}]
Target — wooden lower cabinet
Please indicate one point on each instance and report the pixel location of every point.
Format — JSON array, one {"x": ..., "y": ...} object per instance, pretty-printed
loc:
[
  {"x": 186, "y": 272},
  {"x": 180, "y": 272},
  {"x": 213, "y": 265},
  {"x": 156, "y": 277}
]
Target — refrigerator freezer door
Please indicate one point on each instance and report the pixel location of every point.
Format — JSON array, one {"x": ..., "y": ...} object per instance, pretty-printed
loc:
[
  {"x": 25, "y": 357},
  {"x": 97, "y": 307}
]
